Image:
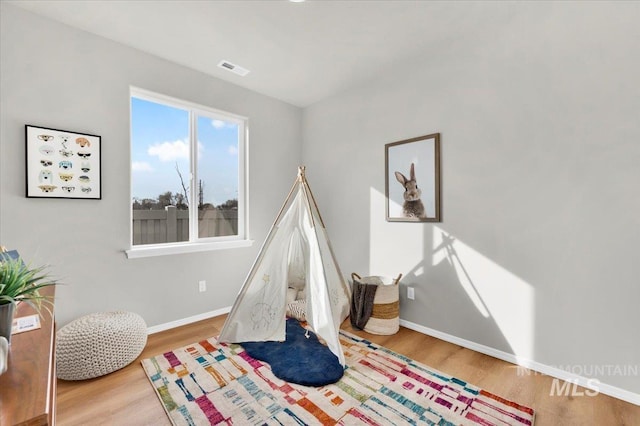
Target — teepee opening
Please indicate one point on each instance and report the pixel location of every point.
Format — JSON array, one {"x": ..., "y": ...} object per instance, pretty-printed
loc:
[{"x": 296, "y": 256}]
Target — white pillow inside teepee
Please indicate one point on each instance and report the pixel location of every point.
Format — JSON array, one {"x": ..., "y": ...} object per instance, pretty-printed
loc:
[
  {"x": 302, "y": 294},
  {"x": 292, "y": 294},
  {"x": 297, "y": 310}
]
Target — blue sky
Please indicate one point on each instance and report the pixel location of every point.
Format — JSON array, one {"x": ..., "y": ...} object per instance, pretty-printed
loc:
[{"x": 160, "y": 139}]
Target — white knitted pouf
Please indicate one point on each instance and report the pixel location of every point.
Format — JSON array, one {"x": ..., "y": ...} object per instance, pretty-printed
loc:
[{"x": 99, "y": 344}]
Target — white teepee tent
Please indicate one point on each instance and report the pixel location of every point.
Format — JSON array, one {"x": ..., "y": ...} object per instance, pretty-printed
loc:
[{"x": 297, "y": 246}]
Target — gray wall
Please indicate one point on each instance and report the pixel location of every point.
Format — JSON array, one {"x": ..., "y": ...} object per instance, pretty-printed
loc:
[
  {"x": 55, "y": 76},
  {"x": 537, "y": 254},
  {"x": 537, "y": 250}
]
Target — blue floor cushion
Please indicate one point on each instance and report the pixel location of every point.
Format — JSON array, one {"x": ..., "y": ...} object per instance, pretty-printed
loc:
[{"x": 298, "y": 359}]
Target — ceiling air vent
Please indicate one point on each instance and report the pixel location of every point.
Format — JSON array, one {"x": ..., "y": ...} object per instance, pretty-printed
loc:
[{"x": 236, "y": 69}]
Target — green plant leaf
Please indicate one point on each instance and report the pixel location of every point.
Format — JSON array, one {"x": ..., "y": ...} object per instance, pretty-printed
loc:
[{"x": 21, "y": 283}]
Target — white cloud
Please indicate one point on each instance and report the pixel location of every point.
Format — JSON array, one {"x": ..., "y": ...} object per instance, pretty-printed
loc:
[
  {"x": 221, "y": 124},
  {"x": 141, "y": 166},
  {"x": 218, "y": 124},
  {"x": 169, "y": 151},
  {"x": 232, "y": 150}
]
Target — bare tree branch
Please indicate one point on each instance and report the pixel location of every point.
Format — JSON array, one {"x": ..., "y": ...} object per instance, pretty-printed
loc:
[{"x": 184, "y": 188}]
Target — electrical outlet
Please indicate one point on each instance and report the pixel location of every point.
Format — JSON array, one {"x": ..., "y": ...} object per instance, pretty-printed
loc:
[
  {"x": 411, "y": 294},
  {"x": 202, "y": 285}
]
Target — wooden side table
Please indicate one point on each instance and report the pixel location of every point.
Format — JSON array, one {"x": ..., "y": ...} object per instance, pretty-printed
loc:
[{"x": 28, "y": 387}]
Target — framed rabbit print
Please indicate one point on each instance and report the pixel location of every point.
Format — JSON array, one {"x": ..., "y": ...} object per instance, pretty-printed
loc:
[
  {"x": 412, "y": 179},
  {"x": 62, "y": 164}
]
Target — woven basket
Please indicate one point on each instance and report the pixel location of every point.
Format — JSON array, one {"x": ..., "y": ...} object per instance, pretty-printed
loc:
[{"x": 385, "y": 317}]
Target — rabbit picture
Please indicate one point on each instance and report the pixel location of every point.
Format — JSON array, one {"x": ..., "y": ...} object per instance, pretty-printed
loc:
[{"x": 412, "y": 206}]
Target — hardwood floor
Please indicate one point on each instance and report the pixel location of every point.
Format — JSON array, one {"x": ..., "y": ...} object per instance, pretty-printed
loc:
[{"x": 125, "y": 397}]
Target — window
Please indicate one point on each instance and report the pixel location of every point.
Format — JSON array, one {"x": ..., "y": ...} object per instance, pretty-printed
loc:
[{"x": 187, "y": 174}]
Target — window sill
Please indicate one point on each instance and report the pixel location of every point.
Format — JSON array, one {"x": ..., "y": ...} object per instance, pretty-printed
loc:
[{"x": 166, "y": 249}]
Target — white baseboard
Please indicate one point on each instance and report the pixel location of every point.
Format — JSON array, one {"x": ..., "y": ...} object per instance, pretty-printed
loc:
[
  {"x": 184, "y": 321},
  {"x": 604, "y": 388}
]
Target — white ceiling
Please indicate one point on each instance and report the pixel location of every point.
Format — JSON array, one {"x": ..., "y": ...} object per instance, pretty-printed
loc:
[{"x": 300, "y": 53}]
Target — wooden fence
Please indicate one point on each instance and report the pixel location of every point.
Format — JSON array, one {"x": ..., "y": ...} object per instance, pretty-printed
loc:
[{"x": 172, "y": 225}]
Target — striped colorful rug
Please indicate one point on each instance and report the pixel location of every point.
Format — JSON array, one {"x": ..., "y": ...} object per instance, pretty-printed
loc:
[{"x": 214, "y": 383}]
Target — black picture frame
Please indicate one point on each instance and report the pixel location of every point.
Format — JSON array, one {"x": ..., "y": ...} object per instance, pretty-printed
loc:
[
  {"x": 62, "y": 164},
  {"x": 412, "y": 179}
]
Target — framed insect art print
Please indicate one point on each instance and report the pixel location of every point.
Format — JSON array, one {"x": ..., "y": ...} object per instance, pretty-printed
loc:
[
  {"x": 413, "y": 179},
  {"x": 62, "y": 164}
]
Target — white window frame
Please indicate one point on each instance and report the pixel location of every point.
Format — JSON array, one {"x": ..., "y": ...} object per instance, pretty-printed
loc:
[{"x": 196, "y": 244}]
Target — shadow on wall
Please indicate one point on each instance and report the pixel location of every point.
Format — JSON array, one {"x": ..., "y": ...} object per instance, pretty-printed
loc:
[
  {"x": 458, "y": 291},
  {"x": 450, "y": 301}
]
